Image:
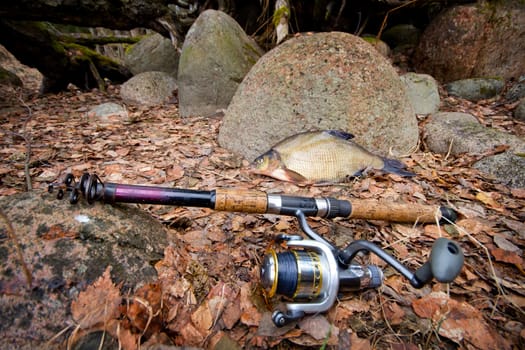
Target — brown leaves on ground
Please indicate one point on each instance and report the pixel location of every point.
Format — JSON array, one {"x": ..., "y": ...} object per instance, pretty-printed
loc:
[
  {"x": 98, "y": 304},
  {"x": 208, "y": 294},
  {"x": 459, "y": 321}
]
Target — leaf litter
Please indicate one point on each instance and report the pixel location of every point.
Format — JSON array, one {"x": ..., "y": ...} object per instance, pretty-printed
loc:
[{"x": 207, "y": 293}]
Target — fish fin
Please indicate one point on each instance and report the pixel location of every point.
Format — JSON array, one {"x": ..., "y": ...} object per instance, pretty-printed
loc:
[
  {"x": 341, "y": 134},
  {"x": 291, "y": 176},
  {"x": 394, "y": 166},
  {"x": 361, "y": 173}
]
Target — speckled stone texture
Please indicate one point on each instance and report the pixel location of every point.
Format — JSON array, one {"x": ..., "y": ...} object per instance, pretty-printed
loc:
[{"x": 323, "y": 81}]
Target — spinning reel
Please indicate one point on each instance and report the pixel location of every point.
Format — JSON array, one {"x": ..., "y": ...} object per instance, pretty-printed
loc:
[{"x": 312, "y": 272}]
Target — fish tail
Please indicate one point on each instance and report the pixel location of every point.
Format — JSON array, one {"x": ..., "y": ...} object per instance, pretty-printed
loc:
[{"x": 394, "y": 166}]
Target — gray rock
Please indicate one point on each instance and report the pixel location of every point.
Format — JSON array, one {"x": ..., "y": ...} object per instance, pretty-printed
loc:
[
  {"x": 107, "y": 112},
  {"x": 519, "y": 111},
  {"x": 506, "y": 167},
  {"x": 215, "y": 57},
  {"x": 401, "y": 35},
  {"x": 149, "y": 88},
  {"x": 517, "y": 90},
  {"x": 67, "y": 247},
  {"x": 423, "y": 92},
  {"x": 9, "y": 78},
  {"x": 484, "y": 39},
  {"x": 323, "y": 81},
  {"x": 461, "y": 133},
  {"x": 475, "y": 89},
  {"x": 153, "y": 53}
]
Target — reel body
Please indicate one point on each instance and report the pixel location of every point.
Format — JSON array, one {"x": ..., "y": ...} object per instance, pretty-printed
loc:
[
  {"x": 308, "y": 274},
  {"x": 311, "y": 272}
]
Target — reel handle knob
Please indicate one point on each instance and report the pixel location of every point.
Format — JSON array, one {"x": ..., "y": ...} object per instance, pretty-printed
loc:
[
  {"x": 445, "y": 262},
  {"x": 281, "y": 319}
]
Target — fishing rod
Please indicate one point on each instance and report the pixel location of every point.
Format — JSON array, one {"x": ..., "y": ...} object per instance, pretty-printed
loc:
[
  {"x": 309, "y": 272},
  {"x": 91, "y": 187}
]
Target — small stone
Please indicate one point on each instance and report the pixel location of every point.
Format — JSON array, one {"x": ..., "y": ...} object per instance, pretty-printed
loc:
[
  {"x": 423, "y": 93},
  {"x": 476, "y": 89},
  {"x": 149, "y": 88}
]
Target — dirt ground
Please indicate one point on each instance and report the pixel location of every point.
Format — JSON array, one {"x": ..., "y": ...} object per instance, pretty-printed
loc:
[{"x": 208, "y": 293}]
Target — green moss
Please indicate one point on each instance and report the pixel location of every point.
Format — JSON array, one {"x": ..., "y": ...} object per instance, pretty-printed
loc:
[
  {"x": 9, "y": 77},
  {"x": 279, "y": 13},
  {"x": 127, "y": 48},
  {"x": 370, "y": 39}
]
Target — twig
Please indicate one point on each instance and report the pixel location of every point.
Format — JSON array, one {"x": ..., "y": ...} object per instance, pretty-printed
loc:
[
  {"x": 387, "y": 322},
  {"x": 56, "y": 336},
  {"x": 363, "y": 25},
  {"x": 341, "y": 9},
  {"x": 449, "y": 149},
  {"x": 96, "y": 76},
  {"x": 14, "y": 240},
  {"x": 388, "y": 12}
]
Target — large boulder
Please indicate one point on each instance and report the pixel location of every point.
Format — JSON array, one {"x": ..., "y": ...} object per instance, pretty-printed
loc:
[
  {"x": 153, "y": 53},
  {"x": 324, "y": 81},
  {"x": 215, "y": 57},
  {"x": 67, "y": 247},
  {"x": 476, "y": 40}
]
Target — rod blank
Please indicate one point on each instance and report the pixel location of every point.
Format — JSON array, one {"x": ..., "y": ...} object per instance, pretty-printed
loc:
[{"x": 252, "y": 201}]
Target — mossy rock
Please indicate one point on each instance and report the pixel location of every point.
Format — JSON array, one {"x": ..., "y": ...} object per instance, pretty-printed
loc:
[{"x": 9, "y": 78}]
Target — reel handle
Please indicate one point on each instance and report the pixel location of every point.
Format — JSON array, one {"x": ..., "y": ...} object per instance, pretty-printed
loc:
[{"x": 445, "y": 262}]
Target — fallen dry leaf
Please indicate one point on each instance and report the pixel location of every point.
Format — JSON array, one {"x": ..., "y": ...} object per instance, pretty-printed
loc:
[
  {"x": 98, "y": 304},
  {"x": 458, "y": 321},
  {"x": 202, "y": 318},
  {"x": 518, "y": 192},
  {"x": 394, "y": 313},
  {"x": 357, "y": 343},
  {"x": 317, "y": 327},
  {"x": 488, "y": 199},
  {"x": 191, "y": 335},
  {"x": 250, "y": 316},
  {"x": 506, "y": 256}
]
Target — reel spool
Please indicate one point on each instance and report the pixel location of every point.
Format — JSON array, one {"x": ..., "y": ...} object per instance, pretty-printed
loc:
[{"x": 309, "y": 275}]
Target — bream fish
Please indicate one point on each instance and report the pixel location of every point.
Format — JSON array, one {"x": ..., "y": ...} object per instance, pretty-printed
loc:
[{"x": 322, "y": 156}]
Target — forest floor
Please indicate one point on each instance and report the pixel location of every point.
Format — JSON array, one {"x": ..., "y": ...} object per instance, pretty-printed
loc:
[{"x": 218, "y": 253}]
